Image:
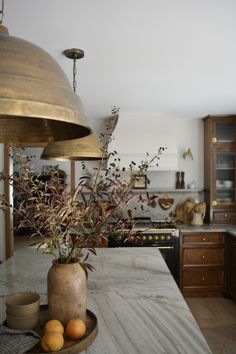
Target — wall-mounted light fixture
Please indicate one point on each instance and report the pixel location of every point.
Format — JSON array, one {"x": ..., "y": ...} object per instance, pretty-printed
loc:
[{"x": 187, "y": 154}]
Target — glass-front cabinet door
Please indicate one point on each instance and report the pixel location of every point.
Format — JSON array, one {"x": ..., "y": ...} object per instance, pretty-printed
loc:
[
  {"x": 225, "y": 178},
  {"x": 224, "y": 132}
]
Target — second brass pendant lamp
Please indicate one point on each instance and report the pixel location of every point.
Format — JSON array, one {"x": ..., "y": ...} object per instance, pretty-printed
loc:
[
  {"x": 37, "y": 104},
  {"x": 87, "y": 148}
]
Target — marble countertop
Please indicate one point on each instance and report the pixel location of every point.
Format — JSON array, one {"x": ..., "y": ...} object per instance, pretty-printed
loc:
[
  {"x": 138, "y": 305},
  {"x": 231, "y": 229}
]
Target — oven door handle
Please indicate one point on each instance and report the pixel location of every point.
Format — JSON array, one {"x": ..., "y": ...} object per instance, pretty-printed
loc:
[{"x": 165, "y": 247}]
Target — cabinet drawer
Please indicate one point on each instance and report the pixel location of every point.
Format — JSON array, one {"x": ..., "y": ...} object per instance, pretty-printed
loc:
[
  {"x": 224, "y": 216},
  {"x": 203, "y": 278},
  {"x": 212, "y": 238},
  {"x": 198, "y": 256}
]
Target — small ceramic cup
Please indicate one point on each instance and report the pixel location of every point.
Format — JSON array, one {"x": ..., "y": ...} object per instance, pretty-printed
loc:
[
  {"x": 22, "y": 322},
  {"x": 22, "y": 307}
]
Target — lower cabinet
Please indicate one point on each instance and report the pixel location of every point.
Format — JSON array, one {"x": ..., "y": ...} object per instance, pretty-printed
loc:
[
  {"x": 202, "y": 262},
  {"x": 231, "y": 267}
]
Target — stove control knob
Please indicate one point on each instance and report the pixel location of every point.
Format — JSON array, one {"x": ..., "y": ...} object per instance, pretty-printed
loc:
[
  {"x": 150, "y": 238},
  {"x": 144, "y": 238},
  {"x": 168, "y": 237},
  {"x": 156, "y": 238},
  {"x": 162, "y": 237}
]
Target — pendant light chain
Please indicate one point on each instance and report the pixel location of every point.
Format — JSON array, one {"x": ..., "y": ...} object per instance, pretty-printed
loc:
[
  {"x": 74, "y": 75},
  {"x": 2, "y": 12}
]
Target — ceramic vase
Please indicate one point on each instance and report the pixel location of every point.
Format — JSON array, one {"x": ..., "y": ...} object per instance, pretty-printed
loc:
[
  {"x": 66, "y": 292},
  {"x": 197, "y": 219}
]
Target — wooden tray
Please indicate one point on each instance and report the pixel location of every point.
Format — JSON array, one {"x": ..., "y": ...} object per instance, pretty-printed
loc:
[{"x": 70, "y": 346}]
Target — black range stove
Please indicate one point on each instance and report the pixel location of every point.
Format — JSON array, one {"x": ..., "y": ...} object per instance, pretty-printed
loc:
[{"x": 162, "y": 234}]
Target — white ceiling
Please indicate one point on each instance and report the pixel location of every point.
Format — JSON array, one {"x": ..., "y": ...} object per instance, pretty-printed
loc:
[{"x": 168, "y": 57}]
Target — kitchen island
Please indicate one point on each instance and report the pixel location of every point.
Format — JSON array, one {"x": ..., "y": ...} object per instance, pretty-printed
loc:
[{"x": 138, "y": 305}]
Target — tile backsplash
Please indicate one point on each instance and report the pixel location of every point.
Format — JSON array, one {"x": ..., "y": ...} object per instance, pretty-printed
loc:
[{"x": 157, "y": 212}]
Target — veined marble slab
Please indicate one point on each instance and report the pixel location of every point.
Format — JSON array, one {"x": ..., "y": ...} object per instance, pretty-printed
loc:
[{"x": 138, "y": 305}]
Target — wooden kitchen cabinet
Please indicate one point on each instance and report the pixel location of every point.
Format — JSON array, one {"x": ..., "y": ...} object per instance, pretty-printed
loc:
[
  {"x": 202, "y": 264},
  {"x": 219, "y": 169},
  {"x": 231, "y": 267}
]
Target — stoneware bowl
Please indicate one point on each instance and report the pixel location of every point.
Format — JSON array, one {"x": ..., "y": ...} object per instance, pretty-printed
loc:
[
  {"x": 24, "y": 304},
  {"x": 22, "y": 322}
]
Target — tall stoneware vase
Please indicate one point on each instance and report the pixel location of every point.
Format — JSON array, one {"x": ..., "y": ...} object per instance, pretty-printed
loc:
[{"x": 66, "y": 292}]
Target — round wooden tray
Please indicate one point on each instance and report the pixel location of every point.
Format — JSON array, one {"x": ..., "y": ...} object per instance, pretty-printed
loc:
[{"x": 70, "y": 346}]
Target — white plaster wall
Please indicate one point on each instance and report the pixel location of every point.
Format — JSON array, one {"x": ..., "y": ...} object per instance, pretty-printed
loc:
[
  {"x": 2, "y": 221},
  {"x": 141, "y": 133}
]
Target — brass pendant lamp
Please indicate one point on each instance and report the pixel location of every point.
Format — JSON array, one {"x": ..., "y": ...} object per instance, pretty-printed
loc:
[
  {"x": 37, "y": 104},
  {"x": 88, "y": 148}
]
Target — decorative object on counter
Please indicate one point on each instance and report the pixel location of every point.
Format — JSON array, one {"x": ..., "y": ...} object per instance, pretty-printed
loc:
[
  {"x": 177, "y": 185},
  {"x": 64, "y": 292},
  {"x": 187, "y": 154},
  {"x": 182, "y": 182},
  {"x": 14, "y": 341},
  {"x": 166, "y": 202},
  {"x": 23, "y": 303},
  {"x": 71, "y": 224},
  {"x": 140, "y": 182},
  {"x": 71, "y": 346},
  {"x": 22, "y": 310},
  {"x": 198, "y": 214},
  {"x": 189, "y": 212},
  {"x": 183, "y": 212}
]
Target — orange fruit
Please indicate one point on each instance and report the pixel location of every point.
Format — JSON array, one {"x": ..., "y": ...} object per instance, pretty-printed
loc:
[
  {"x": 52, "y": 342},
  {"x": 54, "y": 326},
  {"x": 75, "y": 329}
]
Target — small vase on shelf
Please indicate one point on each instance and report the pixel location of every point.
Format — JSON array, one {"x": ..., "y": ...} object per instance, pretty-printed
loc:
[
  {"x": 182, "y": 183},
  {"x": 177, "y": 180}
]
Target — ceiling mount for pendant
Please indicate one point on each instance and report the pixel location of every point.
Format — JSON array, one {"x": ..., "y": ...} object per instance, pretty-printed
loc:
[
  {"x": 88, "y": 148},
  {"x": 37, "y": 104},
  {"x": 74, "y": 53}
]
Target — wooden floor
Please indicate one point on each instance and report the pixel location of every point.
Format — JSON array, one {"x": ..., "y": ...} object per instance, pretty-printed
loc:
[{"x": 216, "y": 317}]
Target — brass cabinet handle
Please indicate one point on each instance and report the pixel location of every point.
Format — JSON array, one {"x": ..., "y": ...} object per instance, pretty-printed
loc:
[
  {"x": 165, "y": 247},
  {"x": 225, "y": 215},
  {"x": 203, "y": 257},
  {"x": 214, "y": 203},
  {"x": 214, "y": 139},
  {"x": 203, "y": 278},
  {"x": 203, "y": 239}
]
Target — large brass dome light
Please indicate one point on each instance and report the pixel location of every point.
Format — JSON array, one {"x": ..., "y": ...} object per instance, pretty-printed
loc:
[{"x": 37, "y": 103}]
